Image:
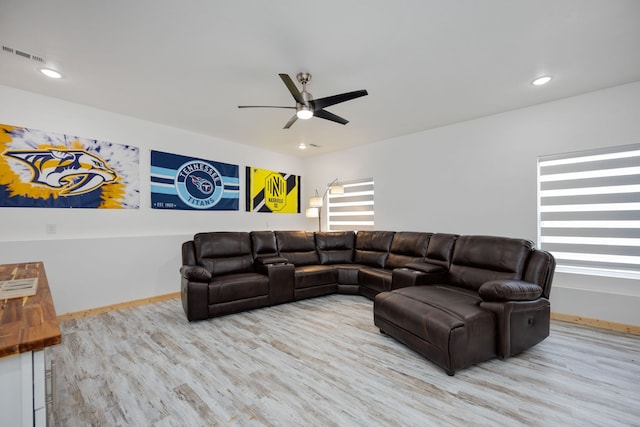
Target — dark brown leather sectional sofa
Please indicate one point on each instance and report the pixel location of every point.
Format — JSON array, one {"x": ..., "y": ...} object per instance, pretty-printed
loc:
[{"x": 457, "y": 300}]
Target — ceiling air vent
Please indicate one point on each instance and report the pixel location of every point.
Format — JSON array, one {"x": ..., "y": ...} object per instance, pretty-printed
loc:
[{"x": 23, "y": 54}]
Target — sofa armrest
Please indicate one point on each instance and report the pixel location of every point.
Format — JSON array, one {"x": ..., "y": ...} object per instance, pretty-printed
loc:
[
  {"x": 281, "y": 278},
  {"x": 417, "y": 273},
  {"x": 195, "y": 299},
  {"x": 426, "y": 267},
  {"x": 281, "y": 281},
  {"x": 196, "y": 273},
  {"x": 270, "y": 260},
  {"x": 521, "y": 324},
  {"x": 509, "y": 290}
]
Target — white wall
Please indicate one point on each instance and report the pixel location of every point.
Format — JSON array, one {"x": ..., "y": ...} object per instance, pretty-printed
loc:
[
  {"x": 476, "y": 177},
  {"x": 479, "y": 177},
  {"x": 99, "y": 257}
]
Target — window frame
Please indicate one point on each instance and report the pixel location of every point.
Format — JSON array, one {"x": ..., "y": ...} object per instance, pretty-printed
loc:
[
  {"x": 588, "y": 210},
  {"x": 358, "y": 193}
]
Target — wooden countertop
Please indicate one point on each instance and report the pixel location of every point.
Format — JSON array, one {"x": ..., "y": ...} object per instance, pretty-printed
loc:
[{"x": 27, "y": 323}]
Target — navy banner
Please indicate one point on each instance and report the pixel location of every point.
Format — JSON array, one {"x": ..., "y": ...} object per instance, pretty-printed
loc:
[{"x": 181, "y": 182}]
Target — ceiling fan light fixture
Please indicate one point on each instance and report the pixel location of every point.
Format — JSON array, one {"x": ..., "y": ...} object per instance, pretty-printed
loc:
[{"x": 304, "y": 113}]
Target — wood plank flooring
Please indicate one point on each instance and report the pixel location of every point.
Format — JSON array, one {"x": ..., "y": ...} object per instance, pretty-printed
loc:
[{"x": 322, "y": 362}]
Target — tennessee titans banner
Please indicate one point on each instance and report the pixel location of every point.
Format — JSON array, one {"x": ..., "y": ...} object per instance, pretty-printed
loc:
[
  {"x": 269, "y": 191},
  {"x": 49, "y": 170},
  {"x": 180, "y": 182}
]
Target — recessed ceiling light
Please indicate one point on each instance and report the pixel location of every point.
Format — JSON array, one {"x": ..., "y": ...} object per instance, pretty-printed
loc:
[
  {"x": 49, "y": 72},
  {"x": 541, "y": 81},
  {"x": 302, "y": 146}
]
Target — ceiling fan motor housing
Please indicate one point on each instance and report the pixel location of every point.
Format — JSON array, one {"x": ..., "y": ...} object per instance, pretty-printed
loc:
[{"x": 303, "y": 78}]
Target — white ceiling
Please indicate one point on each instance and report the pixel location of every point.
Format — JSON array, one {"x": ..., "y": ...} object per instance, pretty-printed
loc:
[{"x": 425, "y": 64}]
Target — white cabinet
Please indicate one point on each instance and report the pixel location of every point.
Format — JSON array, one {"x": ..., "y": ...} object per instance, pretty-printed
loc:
[
  {"x": 39, "y": 389},
  {"x": 28, "y": 325},
  {"x": 23, "y": 390}
]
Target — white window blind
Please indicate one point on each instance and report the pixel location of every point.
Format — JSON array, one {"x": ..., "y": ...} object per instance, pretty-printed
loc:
[
  {"x": 352, "y": 210},
  {"x": 589, "y": 210}
]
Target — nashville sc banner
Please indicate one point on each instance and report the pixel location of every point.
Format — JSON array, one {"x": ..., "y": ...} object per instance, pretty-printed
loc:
[
  {"x": 41, "y": 169},
  {"x": 189, "y": 183},
  {"x": 273, "y": 192}
]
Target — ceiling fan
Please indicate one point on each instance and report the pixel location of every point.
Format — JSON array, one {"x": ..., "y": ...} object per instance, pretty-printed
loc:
[{"x": 307, "y": 107}]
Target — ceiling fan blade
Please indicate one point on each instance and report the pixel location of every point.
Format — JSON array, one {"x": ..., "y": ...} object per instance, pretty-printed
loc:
[
  {"x": 319, "y": 104},
  {"x": 324, "y": 114},
  {"x": 292, "y": 88},
  {"x": 264, "y": 106},
  {"x": 291, "y": 121}
]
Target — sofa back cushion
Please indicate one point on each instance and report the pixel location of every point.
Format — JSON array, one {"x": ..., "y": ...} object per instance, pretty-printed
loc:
[
  {"x": 440, "y": 249},
  {"x": 263, "y": 244},
  {"x": 298, "y": 247},
  {"x": 478, "y": 259},
  {"x": 372, "y": 247},
  {"x": 335, "y": 247},
  {"x": 224, "y": 252},
  {"x": 407, "y": 247}
]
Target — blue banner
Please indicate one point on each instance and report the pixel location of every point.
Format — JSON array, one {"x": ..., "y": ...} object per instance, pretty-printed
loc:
[{"x": 189, "y": 183}]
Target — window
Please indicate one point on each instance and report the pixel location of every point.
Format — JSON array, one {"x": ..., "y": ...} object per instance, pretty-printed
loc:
[
  {"x": 589, "y": 210},
  {"x": 352, "y": 210}
]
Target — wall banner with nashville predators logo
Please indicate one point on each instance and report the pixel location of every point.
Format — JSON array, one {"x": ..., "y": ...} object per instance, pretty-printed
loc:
[
  {"x": 48, "y": 170},
  {"x": 270, "y": 191}
]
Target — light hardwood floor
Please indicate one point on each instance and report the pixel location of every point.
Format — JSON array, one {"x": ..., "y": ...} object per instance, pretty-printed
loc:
[{"x": 322, "y": 362}]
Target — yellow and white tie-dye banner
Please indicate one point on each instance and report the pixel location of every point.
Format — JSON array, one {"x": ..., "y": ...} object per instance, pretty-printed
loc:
[
  {"x": 270, "y": 191},
  {"x": 49, "y": 170}
]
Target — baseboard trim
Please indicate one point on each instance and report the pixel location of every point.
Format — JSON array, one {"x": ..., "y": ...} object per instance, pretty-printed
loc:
[
  {"x": 597, "y": 323},
  {"x": 119, "y": 306}
]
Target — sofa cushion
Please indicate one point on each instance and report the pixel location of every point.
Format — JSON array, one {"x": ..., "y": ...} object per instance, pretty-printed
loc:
[
  {"x": 423, "y": 308},
  {"x": 440, "y": 249},
  {"x": 224, "y": 252},
  {"x": 233, "y": 287},
  {"x": 407, "y": 247},
  {"x": 335, "y": 247},
  {"x": 298, "y": 247},
  {"x": 375, "y": 278},
  {"x": 315, "y": 275},
  {"x": 372, "y": 247},
  {"x": 348, "y": 274},
  {"x": 479, "y": 259},
  {"x": 444, "y": 323},
  {"x": 263, "y": 244}
]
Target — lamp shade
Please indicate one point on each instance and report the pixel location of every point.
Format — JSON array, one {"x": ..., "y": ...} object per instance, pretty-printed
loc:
[
  {"x": 315, "y": 202},
  {"x": 336, "y": 189},
  {"x": 312, "y": 213}
]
